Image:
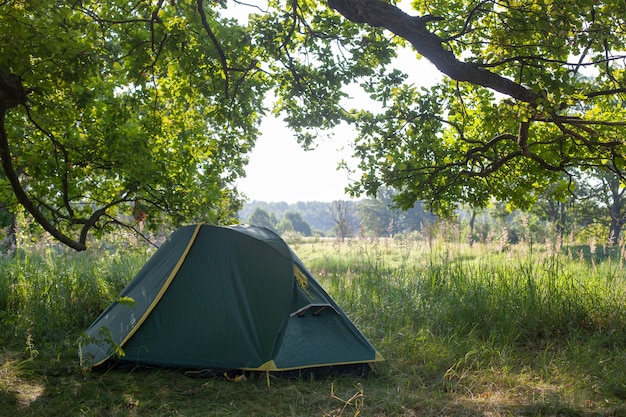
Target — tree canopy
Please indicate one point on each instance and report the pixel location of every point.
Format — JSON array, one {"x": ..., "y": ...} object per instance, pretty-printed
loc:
[
  {"x": 524, "y": 101},
  {"x": 116, "y": 112}
]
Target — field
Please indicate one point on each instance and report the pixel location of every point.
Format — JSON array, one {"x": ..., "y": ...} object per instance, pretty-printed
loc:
[{"x": 488, "y": 330}]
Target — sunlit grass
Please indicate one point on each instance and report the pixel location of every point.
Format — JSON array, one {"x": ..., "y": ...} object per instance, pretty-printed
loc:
[
  {"x": 466, "y": 331},
  {"x": 48, "y": 294},
  {"x": 487, "y": 317},
  {"x": 508, "y": 297}
]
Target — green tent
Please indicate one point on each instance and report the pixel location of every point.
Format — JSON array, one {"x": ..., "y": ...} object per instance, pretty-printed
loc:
[{"x": 226, "y": 298}]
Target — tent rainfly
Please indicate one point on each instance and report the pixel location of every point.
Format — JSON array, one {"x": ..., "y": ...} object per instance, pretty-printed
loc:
[{"x": 220, "y": 298}]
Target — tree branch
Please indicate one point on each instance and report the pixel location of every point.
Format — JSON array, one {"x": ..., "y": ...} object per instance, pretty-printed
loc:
[
  {"x": 216, "y": 43},
  {"x": 13, "y": 94},
  {"x": 379, "y": 14},
  {"x": 62, "y": 165},
  {"x": 606, "y": 92}
]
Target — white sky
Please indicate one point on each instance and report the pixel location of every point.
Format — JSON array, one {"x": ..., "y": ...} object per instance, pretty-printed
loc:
[{"x": 280, "y": 170}]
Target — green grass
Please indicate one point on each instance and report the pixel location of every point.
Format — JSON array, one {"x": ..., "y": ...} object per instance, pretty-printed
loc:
[{"x": 481, "y": 331}]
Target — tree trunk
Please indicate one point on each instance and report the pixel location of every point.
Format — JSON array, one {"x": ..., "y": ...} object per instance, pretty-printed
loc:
[
  {"x": 560, "y": 224},
  {"x": 614, "y": 231},
  {"x": 616, "y": 208},
  {"x": 9, "y": 243},
  {"x": 13, "y": 94},
  {"x": 470, "y": 238},
  {"x": 617, "y": 218}
]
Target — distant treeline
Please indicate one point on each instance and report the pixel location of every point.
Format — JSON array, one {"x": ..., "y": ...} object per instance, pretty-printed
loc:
[
  {"x": 313, "y": 212},
  {"x": 343, "y": 218}
]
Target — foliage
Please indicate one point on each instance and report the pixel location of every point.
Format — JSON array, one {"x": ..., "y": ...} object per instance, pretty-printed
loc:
[
  {"x": 343, "y": 213},
  {"x": 595, "y": 201},
  {"x": 260, "y": 217},
  {"x": 525, "y": 101},
  {"x": 146, "y": 111},
  {"x": 312, "y": 212},
  {"x": 379, "y": 216},
  {"x": 291, "y": 222},
  {"x": 285, "y": 226},
  {"x": 298, "y": 223},
  {"x": 610, "y": 195},
  {"x": 128, "y": 116}
]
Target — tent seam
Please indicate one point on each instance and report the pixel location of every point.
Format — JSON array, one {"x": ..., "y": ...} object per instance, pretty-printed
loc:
[{"x": 272, "y": 367}]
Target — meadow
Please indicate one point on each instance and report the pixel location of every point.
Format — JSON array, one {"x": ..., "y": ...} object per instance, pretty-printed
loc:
[{"x": 484, "y": 330}]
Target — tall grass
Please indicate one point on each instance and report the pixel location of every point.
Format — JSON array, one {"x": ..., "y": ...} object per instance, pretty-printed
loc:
[
  {"x": 50, "y": 294},
  {"x": 415, "y": 298},
  {"x": 491, "y": 329}
]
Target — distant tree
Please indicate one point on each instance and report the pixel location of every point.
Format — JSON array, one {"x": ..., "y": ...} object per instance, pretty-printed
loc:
[
  {"x": 314, "y": 213},
  {"x": 375, "y": 217},
  {"x": 414, "y": 218},
  {"x": 472, "y": 212},
  {"x": 260, "y": 217},
  {"x": 298, "y": 223},
  {"x": 553, "y": 205},
  {"x": 343, "y": 213},
  {"x": 597, "y": 197},
  {"x": 610, "y": 193},
  {"x": 382, "y": 217},
  {"x": 284, "y": 226},
  {"x": 8, "y": 224}
]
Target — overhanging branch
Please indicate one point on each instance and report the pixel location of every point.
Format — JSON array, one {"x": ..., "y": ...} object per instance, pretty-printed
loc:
[
  {"x": 13, "y": 94},
  {"x": 216, "y": 44},
  {"x": 379, "y": 14}
]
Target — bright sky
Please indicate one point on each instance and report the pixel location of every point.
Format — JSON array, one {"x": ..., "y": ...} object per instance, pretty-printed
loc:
[{"x": 280, "y": 170}]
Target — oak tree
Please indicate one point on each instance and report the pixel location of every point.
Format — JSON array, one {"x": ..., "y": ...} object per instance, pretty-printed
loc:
[
  {"x": 117, "y": 111},
  {"x": 517, "y": 109}
]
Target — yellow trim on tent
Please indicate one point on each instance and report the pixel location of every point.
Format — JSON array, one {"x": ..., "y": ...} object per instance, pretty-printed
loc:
[
  {"x": 270, "y": 366},
  {"x": 162, "y": 291},
  {"x": 301, "y": 279}
]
